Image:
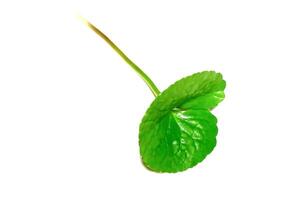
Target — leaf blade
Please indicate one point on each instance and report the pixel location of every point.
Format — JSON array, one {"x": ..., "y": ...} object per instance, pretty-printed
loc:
[{"x": 178, "y": 131}]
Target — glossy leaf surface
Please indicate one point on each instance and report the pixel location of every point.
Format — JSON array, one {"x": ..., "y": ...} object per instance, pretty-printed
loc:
[{"x": 178, "y": 131}]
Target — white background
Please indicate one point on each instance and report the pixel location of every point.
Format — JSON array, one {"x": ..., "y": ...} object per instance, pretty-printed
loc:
[{"x": 70, "y": 107}]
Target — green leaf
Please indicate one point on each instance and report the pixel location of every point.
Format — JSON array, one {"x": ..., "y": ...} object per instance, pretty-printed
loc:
[{"x": 178, "y": 131}]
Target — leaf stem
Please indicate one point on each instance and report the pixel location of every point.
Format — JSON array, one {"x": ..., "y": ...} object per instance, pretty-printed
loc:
[{"x": 142, "y": 74}]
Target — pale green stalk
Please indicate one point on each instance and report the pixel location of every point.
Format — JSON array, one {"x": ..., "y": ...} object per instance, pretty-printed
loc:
[{"x": 144, "y": 76}]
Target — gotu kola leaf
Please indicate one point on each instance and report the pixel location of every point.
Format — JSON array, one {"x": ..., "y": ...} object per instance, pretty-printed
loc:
[{"x": 178, "y": 130}]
